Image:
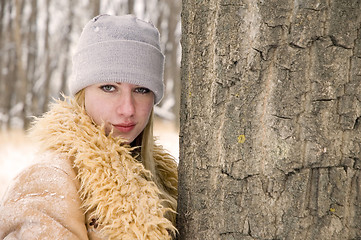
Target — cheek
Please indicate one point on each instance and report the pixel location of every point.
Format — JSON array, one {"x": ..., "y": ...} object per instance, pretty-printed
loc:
[
  {"x": 95, "y": 109},
  {"x": 146, "y": 111}
]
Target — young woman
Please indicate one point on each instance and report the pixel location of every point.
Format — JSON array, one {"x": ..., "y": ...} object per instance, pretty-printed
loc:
[{"x": 100, "y": 175}]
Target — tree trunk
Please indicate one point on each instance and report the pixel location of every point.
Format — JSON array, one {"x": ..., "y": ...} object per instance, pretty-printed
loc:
[
  {"x": 31, "y": 65},
  {"x": 9, "y": 75},
  {"x": 65, "y": 63},
  {"x": 3, "y": 73},
  {"x": 270, "y": 120},
  {"x": 20, "y": 70},
  {"x": 130, "y": 7},
  {"x": 95, "y": 7},
  {"x": 172, "y": 71},
  {"x": 48, "y": 67}
]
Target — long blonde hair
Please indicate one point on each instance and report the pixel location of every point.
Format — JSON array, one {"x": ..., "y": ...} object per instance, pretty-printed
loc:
[{"x": 145, "y": 140}]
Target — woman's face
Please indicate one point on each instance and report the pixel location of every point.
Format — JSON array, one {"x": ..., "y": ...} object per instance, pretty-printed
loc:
[{"x": 123, "y": 107}]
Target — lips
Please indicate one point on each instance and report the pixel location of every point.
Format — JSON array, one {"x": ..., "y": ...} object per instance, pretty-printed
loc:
[{"x": 124, "y": 127}]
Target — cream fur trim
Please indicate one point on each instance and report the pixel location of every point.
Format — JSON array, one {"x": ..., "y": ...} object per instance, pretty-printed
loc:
[{"x": 114, "y": 186}]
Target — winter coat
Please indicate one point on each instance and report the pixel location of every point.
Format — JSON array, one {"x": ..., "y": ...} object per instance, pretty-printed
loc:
[{"x": 87, "y": 185}]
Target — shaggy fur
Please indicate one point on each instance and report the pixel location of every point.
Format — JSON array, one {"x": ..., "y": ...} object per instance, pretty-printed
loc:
[{"x": 115, "y": 187}]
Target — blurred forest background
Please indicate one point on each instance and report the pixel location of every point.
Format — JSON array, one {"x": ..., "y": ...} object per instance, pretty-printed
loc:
[{"x": 37, "y": 40}]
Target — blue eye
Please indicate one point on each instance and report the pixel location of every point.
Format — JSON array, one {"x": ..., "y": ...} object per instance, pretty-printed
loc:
[
  {"x": 142, "y": 90},
  {"x": 107, "y": 88}
]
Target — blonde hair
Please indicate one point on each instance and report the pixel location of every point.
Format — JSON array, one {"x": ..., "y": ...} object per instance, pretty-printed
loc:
[{"x": 145, "y": 140}]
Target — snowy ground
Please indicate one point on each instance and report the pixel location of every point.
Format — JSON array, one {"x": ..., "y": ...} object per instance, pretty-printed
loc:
[{"x": 16, "y": 152}]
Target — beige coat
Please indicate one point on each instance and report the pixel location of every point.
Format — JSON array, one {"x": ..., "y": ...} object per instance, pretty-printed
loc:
[{"x": 86, "y": 186}]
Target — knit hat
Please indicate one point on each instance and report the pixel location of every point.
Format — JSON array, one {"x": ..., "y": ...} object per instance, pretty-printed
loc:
[{"x": 119, "y": 49}]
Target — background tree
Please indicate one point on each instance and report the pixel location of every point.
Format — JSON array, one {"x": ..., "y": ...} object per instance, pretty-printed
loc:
[
  {"x": 270, "y": 120},
  {"x": 38, "y": 37}
]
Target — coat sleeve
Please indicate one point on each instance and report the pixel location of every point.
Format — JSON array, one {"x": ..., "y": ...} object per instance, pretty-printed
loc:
[{"x": 43, "y": 203}]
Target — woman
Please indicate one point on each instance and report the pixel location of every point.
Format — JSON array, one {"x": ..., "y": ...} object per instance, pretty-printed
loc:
[{"x": 100, "y": 175}]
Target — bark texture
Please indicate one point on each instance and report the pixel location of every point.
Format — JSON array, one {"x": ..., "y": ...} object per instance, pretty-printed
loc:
[{"x": 270, "y": 133}]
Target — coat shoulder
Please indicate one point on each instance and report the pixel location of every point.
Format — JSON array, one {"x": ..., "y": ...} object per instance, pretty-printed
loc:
[
  {"x": 50, "y": 173},
  {"x": 41, "y": 197}
]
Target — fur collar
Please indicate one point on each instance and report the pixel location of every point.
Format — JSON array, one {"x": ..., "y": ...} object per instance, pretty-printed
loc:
[{"x": 114, "y": 186}]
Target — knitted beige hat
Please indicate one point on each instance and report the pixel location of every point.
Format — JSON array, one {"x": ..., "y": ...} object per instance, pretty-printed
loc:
[{"x": 119, "y": 49}]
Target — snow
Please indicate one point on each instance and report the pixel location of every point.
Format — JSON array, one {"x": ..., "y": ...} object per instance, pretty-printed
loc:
[
  {"x": 17, "y": 152},
  {"x": 167, "y": 135}
]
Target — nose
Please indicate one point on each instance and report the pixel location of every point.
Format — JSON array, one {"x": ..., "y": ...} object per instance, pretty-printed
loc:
[{"x": 126, "y": 105}]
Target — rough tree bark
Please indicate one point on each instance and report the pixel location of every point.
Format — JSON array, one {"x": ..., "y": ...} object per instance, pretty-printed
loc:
[{"x": 270, "y": 132}]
